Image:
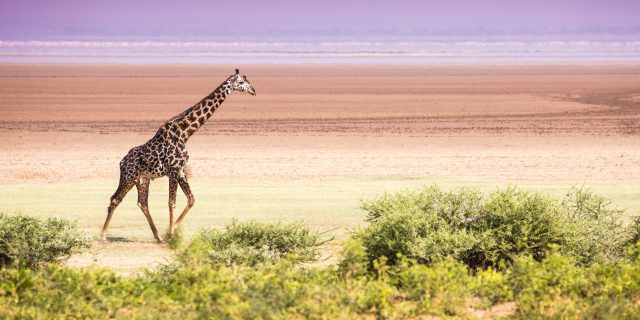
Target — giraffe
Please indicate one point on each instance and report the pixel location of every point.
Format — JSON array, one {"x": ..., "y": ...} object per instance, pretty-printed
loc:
[{"x": 165, "y": 155}]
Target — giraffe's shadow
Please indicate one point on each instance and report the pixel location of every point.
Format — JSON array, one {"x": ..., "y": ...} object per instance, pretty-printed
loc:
[{"x": 119, "y": 239}]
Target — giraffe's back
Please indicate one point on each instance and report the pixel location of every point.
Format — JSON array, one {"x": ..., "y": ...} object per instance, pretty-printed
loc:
[{"x": 156, "y": 158}]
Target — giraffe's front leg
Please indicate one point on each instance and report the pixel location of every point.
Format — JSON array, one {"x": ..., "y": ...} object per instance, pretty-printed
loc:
[
  {"x": 123, "y": 189},
  {"x": 143, "y": 203},
  {"x": 173, "y": 188},
  {"x": 184, "y": 185}
]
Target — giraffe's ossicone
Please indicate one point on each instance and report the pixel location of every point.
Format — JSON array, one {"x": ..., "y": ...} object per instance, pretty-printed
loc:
[{"x": 165, "y": 155}]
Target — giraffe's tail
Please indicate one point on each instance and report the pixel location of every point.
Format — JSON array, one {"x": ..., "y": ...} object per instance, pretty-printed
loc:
[{"x": 187, "y": 171}]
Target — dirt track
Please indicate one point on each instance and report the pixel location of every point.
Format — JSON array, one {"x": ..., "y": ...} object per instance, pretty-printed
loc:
[{"x": 74, "y": 122}]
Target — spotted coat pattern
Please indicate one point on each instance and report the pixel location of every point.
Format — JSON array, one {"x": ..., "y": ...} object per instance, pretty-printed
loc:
[{"x": 165, "y": 154}]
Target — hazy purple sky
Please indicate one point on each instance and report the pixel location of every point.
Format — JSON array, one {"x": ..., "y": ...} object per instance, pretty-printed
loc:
[{"x": 158, "y": 19}]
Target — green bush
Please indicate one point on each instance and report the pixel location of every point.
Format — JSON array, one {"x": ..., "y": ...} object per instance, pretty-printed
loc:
[
  {"x": 442, "y": 288},
  {"x": 513, "y": 222},
  {"x": 428, "y": 225},
  {"x": 634, "y": 231},
  {"x": 493, "y": 286},
  {"x": 558, "y": 287},
  {"x": 31, "y": 242},
  {"x": 432, "y": 225},
  {"x": 598, "y": 231},
  {"x": 354, "y": 260},
  {"x": 554, "y": 286},
  {"x": 251, "y": 243}
]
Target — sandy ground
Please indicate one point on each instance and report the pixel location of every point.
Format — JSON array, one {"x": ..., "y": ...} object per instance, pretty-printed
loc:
[{"x": 73, "y": 123}]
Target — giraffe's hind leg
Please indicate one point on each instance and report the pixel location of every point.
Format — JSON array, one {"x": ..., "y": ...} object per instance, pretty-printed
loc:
[
  {"x": 184, "y": 185},
  {"x": 143, "y": 203},
  {"x": 173, "y": 188},
  {"x": 123, "y": 188}
]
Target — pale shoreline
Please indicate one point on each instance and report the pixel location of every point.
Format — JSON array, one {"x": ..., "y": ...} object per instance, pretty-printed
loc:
[{"x": 407, "y": 51}]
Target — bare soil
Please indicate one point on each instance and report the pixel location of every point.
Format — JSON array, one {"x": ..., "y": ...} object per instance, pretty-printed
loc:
[{"x": 74, "y": 122}]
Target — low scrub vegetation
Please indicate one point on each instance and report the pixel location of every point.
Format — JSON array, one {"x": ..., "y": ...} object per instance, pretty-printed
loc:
[
  {"x": 30, "y": 242},
  {"x": 456, "y": 254},
  {"x": 555, "y": 286},
  {"x": 251, "y": 243},
  {"x": 432, "y": 225}
]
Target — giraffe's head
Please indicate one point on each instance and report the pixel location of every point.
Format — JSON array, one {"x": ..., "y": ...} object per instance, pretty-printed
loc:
[{"x": 240, "y": 83}]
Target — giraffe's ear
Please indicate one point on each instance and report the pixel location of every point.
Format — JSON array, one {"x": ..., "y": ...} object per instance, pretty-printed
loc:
[{"x": 237, "y": 71}]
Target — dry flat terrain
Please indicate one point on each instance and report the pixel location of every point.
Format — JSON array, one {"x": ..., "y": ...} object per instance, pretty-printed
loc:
[
  {"x": 74, "y": 122},
  {"x": 316, "y": 138}
]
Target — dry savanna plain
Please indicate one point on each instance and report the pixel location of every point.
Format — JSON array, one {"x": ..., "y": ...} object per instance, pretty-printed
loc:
[{"x": 313, "y": 142}]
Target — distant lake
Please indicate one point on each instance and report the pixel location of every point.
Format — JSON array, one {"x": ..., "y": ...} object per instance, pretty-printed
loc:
[{"x": 283, "y": 52}]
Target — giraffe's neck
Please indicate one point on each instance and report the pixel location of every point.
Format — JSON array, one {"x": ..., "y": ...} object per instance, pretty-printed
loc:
[{"x": 184, "y": 125}]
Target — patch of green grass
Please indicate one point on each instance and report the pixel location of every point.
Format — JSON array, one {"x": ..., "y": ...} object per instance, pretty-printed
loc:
[
  {"x": 175, "y": 240},
  {"x": 324, "y": 203}
]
